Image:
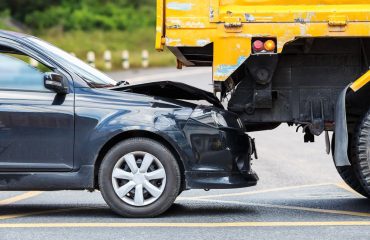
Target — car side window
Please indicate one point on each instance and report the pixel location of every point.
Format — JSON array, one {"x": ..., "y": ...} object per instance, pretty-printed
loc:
[{"x": 16, "y": 73}]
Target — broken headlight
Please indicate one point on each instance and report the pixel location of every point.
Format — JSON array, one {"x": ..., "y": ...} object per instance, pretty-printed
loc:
[{"x": 216, "y": 118}]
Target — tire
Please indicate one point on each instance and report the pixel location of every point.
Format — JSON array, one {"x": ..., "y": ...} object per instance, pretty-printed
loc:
[
  {"x": 360, "y": 154},
  {"x": 347, "y": 173},
  {"x": 130, "y": 193}
]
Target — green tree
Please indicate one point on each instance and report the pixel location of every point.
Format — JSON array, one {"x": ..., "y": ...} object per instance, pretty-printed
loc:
[{"x": 83, "y": 14}]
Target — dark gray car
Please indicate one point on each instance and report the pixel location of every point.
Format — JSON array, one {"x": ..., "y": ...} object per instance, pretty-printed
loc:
[{"x": 67, "y": 126}]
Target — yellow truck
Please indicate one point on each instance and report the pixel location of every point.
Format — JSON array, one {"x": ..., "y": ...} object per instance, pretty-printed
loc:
[{"x": 301, "y": 62}]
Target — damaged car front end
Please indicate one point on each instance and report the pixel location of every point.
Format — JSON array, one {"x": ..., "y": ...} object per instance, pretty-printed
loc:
[
  {"x": 222, "y": 151},
  {"x": 216, "y": 150}
]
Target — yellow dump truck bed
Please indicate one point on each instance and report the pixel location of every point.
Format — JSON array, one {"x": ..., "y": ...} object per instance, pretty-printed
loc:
[{"x": 231, "y": 24}]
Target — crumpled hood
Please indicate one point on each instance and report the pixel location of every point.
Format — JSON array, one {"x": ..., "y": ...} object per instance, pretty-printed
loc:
[{"x": 172, "y": 90}]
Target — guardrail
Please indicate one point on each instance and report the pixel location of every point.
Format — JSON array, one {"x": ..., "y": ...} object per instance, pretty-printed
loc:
[{"x": 108, "y": 60}]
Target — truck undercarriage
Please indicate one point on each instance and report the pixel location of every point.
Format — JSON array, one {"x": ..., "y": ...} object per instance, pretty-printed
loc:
[{"x": 298, "y": 86}]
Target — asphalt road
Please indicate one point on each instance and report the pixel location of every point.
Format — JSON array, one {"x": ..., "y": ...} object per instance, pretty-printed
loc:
[{"x": 299, "y": 196}]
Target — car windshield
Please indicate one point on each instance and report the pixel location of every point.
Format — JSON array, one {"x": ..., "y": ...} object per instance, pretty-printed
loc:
[{"x": 92, "y": 76}]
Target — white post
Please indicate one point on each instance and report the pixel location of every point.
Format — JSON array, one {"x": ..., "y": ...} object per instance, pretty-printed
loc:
[
  {"x": 91, "y": 58},
  {"x": 108, "y": 59},
  {"x": 33, "y": 62},
  {"x": 145, "y": 58},
  {"x": 125, "y": 60}
]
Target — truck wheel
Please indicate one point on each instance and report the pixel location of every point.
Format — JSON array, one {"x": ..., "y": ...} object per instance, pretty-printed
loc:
[
  {"x": 360, "y": 153},
  {"x": 139, "y": 177},
  {"x": 348, "y": 174}
]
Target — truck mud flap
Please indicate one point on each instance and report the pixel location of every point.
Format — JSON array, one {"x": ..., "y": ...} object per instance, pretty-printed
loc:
[{"x": 341, "y": 131}]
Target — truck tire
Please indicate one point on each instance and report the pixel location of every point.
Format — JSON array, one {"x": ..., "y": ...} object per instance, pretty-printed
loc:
[
  {"x": 139, "y": 177},
  {"x": 347, "y": 173},
  {"x": 360, "y": 154}
]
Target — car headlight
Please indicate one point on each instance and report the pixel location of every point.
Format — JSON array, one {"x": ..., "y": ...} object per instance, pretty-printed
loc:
[
  {"x": 217, "y": 118},
  {"x": 209, "y": 117}
]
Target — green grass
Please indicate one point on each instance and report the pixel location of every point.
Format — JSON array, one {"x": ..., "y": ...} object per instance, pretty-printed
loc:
[
  {"x": 90, "y": 25},
  {"x": 4, "y": 25},
  {"x": 80, "y": 42}
]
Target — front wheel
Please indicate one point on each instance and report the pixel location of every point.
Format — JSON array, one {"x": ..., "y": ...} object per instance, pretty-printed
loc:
[{"x": 139, "y": 177}]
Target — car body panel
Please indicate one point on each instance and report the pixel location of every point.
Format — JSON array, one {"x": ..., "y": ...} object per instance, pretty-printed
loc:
[
  {"x": 103, "y": 114},
  {"x": 174, "y": 90},
  {"x": 36, "y": 131}
]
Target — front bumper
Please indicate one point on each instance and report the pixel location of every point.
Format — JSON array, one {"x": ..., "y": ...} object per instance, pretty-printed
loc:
[
  {"x": 221, "y": 157},
  {"x": 220, "y": 180}
]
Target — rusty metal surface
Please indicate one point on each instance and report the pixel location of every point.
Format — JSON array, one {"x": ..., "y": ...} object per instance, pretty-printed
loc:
[{"x": 231, "y": 24}]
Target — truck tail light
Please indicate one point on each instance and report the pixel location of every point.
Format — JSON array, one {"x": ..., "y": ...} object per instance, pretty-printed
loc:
[
  {"x": 263, "y": 45},
  {"x": 258, "y": 46},
  {"x": 270, "y": 46}
]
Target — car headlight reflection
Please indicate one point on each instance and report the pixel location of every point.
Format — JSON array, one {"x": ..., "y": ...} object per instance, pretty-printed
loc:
[
  {"x": 212, "y": 118},
  {"x": 240, "y": 122},
  {"x": 219, "y": 119}
]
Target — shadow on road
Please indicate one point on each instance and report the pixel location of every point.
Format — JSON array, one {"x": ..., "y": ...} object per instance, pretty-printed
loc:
[{"x": 191, "y": 210}]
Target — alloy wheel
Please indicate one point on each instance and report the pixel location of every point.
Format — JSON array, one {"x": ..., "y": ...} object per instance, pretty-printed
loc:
[{"x": 139, "y": 178}]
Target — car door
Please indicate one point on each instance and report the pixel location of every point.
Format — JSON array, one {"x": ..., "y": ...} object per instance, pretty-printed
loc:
[{"x": 36, "y": 124}]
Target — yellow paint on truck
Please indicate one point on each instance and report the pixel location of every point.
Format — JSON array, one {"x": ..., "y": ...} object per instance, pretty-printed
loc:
[{"x": 231, "y": 24}]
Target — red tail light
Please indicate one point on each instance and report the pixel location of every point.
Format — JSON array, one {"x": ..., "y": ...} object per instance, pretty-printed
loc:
[{"x": 258, "y": 46}]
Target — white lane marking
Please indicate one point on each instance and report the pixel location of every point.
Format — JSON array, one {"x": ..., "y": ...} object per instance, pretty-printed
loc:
[
  {"x": 184, "y": 225},
  {"x": 307, "y": 209},
  {"x": 256, "y": 192}
]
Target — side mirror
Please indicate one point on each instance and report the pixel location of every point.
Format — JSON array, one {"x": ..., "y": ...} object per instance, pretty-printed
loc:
[{"x": 55, "y": 82}]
